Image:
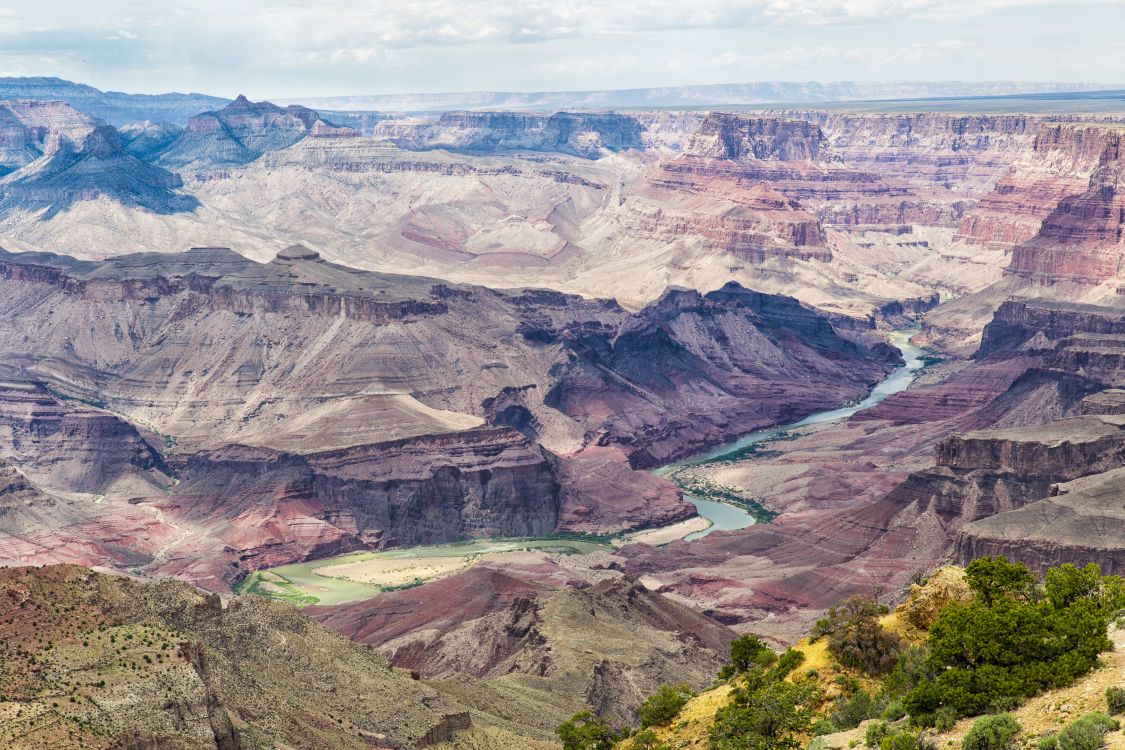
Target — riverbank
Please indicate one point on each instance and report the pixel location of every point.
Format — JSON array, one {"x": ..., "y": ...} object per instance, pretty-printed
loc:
[{"x": 731, "y": 508}]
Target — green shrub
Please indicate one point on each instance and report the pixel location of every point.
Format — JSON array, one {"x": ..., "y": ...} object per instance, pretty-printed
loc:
[
  {"x": 646, "y": 739},
  {"x": 849, "y": 710},
  {"x": 903, "y": 740},
  {"x": 1115, "y": 700},
  {"x": 866, "y": 645},
  {"x": 1048, "y": 742},
  {"x": 995, "y": 732},
  {"x": 790, "y": 660},
  {"x": 944, "y": 718},
  {"x": 893, "y": 711},
  {"x": 662, "y": 706},
  {"x": 770, "y": 716},
  {"x": 1087, "y": 733},
  {"x": 746, "y": 653},
  {"x": 875, "y": 733},
  {"x": 822, "y": 726},
  {"x": 1010, "y": 643},
  {"x": 586, "y": 731}
]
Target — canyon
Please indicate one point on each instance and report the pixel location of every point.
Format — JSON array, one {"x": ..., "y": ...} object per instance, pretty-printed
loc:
[{"x": 238, "y": 335}]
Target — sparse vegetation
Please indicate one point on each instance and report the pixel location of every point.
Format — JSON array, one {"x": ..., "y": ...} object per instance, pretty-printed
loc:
[
  {"x": 662, "y": 706},
  {"x": 996, "y": 732},
  {"x": 766, "y": 710},
  {"x": 587, "y": 731},
  {"x": 1087, "y": 733},
  {"x": 1115, "y": 700}
]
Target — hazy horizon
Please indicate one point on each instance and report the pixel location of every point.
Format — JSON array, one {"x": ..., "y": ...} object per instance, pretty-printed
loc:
[{"x": 285, "y": 49}]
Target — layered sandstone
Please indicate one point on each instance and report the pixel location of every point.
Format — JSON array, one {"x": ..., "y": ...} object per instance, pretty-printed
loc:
[
  {"x": 1059, "y": 164},
  {"x": 1082, "y": 240},
  {"x": 1078, "y": 524},
  {"x": 585, "y": 134},
  {"x": 30, "y": 128}
]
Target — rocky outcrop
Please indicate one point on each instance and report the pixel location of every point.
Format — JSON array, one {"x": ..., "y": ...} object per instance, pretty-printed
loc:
[
  {"x": 268, "y": 508},
  {"x": 1057, "y": 165},
  {"x": 29, "y": 128},
  {"x": 72, "y": 445},
  {"x": 737, "y": 137},
  {"x": 147, "y": 139},
  {"x": 585, "y": 134},
  {"x": 240, "y": 133},
  {"x": 1061, "y": 328},
  {"x": 601, "y": 494},
  {"x": 683, "y": 347},
  {"x": 1079, "y": 523},
  {"x": 100, "y": 167},
  {"x": 752, "y": 224},
  {"x": 605, "y": 647},
  {"x": 1082, "y": 240}
]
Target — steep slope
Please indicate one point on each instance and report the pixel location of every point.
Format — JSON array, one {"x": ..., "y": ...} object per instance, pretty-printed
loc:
[
  {"x": 100, "y": 167},
  {"x": 100, "y": 661},
  {"x": 27, "y": 129},
  {"x": 540, "y": 656},
  {"x": 1076, "y": 252}
]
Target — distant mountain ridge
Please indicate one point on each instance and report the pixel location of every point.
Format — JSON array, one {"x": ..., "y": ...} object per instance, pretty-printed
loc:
[
  {"x": 716, "y": 95},
  {"x": 115, "y": 107}
]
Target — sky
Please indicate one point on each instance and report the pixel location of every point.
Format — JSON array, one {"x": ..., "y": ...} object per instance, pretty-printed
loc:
[{"x": 308, "y": 48}]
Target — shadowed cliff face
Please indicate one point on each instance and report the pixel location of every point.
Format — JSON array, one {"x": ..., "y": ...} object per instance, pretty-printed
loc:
[
  {"x": 101, "y": 167},
  {"x": 239, "y": 133}
]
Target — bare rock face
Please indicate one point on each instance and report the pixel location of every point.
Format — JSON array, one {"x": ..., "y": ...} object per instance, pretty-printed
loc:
[
  {"x": 843, "y": 528},
  {"x": 601, "y": 494},
  {"x": 69, "y": 444},
  {"x": 1059, "y": 164},
  {"x": 240, "y": 133},
  {"x": 301, "y": 409},
  {"x": 738, "y": 138},
  {"x": 101, "y": 167},
  {"x": 27, "y": 129},
  {"x": 147, "y": 139},
  {"x": 1082, "y": 240},
  {"x": 733, "y": 338},
  {"x": 262, "y": 508},
  {"x": 1080, "y": 522},
  {"x": 585, "y": 134},
  {"x": 603, "y": 648}
]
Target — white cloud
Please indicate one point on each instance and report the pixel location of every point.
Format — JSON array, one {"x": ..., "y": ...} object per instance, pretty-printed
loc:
[{"x": 367, "y": 45}]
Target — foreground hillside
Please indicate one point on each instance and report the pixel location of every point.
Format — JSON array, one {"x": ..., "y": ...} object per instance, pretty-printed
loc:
[
  {"x": 95, "y": 661},
  {"x": 861, "y": 678}
]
